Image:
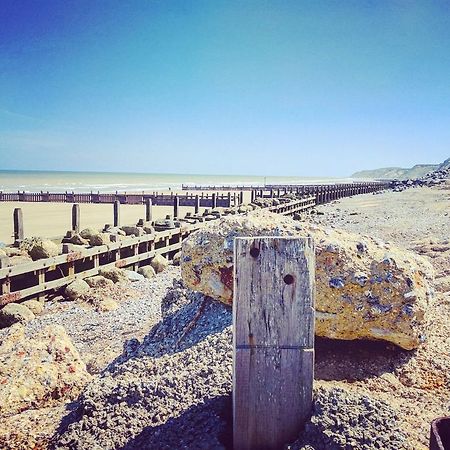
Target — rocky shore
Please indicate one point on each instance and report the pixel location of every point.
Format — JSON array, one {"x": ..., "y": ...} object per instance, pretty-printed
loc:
[{"x": 155, "y": 372}]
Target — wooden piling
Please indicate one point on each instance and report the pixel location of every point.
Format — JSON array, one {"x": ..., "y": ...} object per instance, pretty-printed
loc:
[
  {"x": 176, "y": 205},
  {"x": 273, "y": 318},
  {"x": 18, "y": 225},
  {"x": 76, "y": 218},
  {"x": 148, "y": 209},
  {"x": 116, "y": 209},
  {"x": 197, "y": 204}
]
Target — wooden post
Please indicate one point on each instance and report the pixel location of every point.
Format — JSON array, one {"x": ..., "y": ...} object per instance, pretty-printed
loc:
[
  {"x": 213, "y": 201},
  {"x": 241, "y": 197},
  {"x": 18, "y": 225},
  {"x": 116, "y": 213},
  {"x": 176, "y": 204},
  {"x": 76, "y": 218},
  {"x": 273, "y": 319},
  {"x": 5, "y": 284},
  {"x": 41, "y": 282},
  {"x": 196, "y": 205},
  {"x": 4, "y": 261},
  {"x": 148, "y": 209}
]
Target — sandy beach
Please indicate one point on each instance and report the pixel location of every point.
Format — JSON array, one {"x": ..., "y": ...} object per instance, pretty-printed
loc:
[{"x": 54, "y": 219}]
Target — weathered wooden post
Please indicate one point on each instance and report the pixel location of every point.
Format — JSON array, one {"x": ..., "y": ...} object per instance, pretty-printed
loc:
[
  {"x": 116, "y": 213},
  {"x": 148, "y": 209},
  {"x": 176, "y": 205},
  {"x": 18, "y": 225},
  {"x": 273, "y": 319},
  {"x": 196, "y": 205},
  {"x": 213, "y": 200},
  {"x": 241, "y": 197},
  {"x": 76, "y": 218}
]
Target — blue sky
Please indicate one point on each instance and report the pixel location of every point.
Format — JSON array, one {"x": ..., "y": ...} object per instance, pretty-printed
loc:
[{"x": 319, "y": 88}]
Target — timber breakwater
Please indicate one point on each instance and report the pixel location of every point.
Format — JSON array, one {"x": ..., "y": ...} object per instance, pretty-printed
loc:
[
  {"x": 138, "y": 244},
  {"x": 212, "y": 198}
]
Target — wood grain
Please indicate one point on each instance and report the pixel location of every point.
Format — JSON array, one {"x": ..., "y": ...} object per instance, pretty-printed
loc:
[{"x": 273, "y": 318}]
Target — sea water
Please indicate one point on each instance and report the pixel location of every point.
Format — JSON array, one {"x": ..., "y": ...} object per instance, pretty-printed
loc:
[{"x": 36, "y": 181}]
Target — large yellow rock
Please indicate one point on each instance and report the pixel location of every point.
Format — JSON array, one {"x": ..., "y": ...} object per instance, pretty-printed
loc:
[
  {"x": 365, "y": 288},
  {"x": 41, "y": 371}
]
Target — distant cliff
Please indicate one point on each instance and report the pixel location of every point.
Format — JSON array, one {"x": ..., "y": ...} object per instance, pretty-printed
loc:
[
  {"x": 417, "y": 171},
  {"x": 444, "y": 165}
]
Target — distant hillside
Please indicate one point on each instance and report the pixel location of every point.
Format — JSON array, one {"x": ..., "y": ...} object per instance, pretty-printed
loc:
[
  {"x": 419, "y": 170},
  {"x": 444, "y": 165}
]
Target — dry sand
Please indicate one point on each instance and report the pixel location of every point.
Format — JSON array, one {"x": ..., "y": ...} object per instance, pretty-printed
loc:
[{"x": 54, "y": 219}]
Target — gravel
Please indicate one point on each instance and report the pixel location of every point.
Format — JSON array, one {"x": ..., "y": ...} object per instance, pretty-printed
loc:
[
  {"x": 342, "y": 421},
  {"x": 401, "y": 217},
  {"x": 173, "y": 390},
  {"x": 99, "y": 337}
]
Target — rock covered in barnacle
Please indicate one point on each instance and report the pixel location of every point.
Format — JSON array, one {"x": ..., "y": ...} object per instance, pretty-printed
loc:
[{"x": 365, "y": 288}]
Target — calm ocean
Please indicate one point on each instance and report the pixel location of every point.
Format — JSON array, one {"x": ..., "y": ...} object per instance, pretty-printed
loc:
[{"x": 36, "y": 181}]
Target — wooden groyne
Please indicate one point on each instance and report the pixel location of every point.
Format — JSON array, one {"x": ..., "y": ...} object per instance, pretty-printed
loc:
[
  {"x": 207, "y": 200},
  {"x": 211, "y": 199},
  {"x": 358, "y": 186},
  {"x": 35, "y": 278}
]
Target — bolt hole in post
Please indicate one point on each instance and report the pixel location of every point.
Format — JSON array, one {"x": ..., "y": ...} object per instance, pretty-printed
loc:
[
  {"x": 254, "y": 252},
  {"x": 288, "y": 279}
]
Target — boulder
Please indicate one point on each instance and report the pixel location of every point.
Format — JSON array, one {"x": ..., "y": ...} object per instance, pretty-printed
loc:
[
  {"x": 148, "y": 229},
  {"x": 132, "y": 231},
  {"x": 114, "y": 230},
  {"x": 40, "y": 371},
  {"x": 133, "y": 276},
  {"x": 100, "y": 301},
  {"x": 107, "y": 304},
  {"x": 75, "y": 289},
  {"x": 87, "y": 233},
  {"x": 31, "y": 429},
  {"x": 76, "y": 239},
  {"x": 14, "y": 313},
  {"x": 114, "y": 273},
  {"x": 365, "y": 288},
  {"x": 159, "y": 263},
  {"x": 100, "y": 239},
  {"x": 35, "y": 306},
  {"x": 147, "y": 271},
  {"x": 43, "y": 248},
  {"x": 99, "y": 281},
  {"x": 176, "y": 259}
]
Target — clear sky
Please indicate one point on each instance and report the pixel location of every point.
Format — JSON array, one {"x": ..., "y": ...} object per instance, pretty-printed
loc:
[{"x": 320, "y": 88}]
